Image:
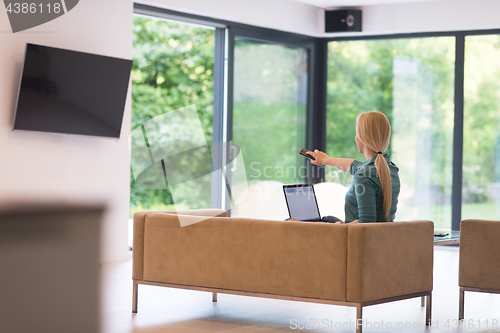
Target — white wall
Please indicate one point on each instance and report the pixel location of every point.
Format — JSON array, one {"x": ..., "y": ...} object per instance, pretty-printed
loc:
[
  {"x": 444, "y": 15},
  {"x": 59, "y": 168},
  {"x": 427, "y": 16},
  {"x": 293, "y": 16},
  {"x": 286, "y": 15}
]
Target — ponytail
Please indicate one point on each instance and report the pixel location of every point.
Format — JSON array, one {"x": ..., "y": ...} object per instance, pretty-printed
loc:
[
  {"x": 384, "y": 176},
  {"x": 374, "y": 130}
]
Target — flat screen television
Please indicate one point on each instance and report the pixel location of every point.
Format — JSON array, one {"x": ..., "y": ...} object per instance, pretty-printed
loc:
[{"x": 72, "y": 92}]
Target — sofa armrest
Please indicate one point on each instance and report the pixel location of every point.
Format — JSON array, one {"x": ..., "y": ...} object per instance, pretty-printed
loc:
[
  {"x": 389, "y": 259},
  {"x": 479, "y": 254},
  {"x": 138, "y": 241}
]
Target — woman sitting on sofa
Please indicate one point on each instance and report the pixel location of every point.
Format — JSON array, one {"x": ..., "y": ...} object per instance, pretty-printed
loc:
[{"x": 373, "y": 195}]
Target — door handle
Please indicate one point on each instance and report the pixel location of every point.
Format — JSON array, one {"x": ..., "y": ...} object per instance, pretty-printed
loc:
[{"x": 234, "y": 151}]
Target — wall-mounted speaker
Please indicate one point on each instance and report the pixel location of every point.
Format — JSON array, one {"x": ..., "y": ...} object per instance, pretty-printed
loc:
[{"x": 342, "y": 20}]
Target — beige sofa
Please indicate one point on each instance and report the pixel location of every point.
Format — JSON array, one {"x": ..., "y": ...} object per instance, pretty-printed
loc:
[
  {"x": 353, "y": 265},
  {"x": 479, "y": 266}
]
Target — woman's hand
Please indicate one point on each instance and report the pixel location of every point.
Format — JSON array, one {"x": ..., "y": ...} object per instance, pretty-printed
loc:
[
  {"x": 343, "y": 164},
  {"x": 354, "y": 222},
  {"x": 320, "y": 157}
]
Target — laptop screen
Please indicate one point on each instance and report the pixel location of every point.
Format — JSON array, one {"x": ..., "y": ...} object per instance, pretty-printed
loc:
[{"x": 301, "y": 202}]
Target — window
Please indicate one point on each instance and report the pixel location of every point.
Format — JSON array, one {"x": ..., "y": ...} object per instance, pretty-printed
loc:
[
  {"x": 240, "y": 78},
  {"x": 411, "y": 82},
  {"x": 173, "y": 67},
  {"x": 269, "y": 110},
  {"x": 269, "y": 123},
  {"x": 481, "y": 141}
]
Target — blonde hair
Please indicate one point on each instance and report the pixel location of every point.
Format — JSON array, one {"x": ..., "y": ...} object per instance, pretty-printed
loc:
[{"x": 374, "y": 130}]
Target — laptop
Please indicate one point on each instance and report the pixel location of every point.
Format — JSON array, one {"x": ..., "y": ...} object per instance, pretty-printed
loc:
[{"x": 301, "y": 202}]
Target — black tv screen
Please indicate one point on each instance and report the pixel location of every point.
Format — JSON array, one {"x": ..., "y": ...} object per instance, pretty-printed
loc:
[{"x": 72, "y": 92}]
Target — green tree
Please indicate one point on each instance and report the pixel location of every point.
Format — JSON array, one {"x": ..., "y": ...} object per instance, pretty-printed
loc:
[
  {"x": 360, "y": 78},
  {"x": 481, "y": 144},
  {"x": 172, "y": 68},
  {"x": 269, "y": 110}
]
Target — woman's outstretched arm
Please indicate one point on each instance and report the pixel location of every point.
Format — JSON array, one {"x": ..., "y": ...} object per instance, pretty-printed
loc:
[{"x": 343, "y": 164}]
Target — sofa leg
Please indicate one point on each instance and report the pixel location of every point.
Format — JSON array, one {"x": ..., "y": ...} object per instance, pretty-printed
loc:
[
  {"x": 428, "y": 312},
  {"x": 461, "y": 304},
  {"x": 359, "y": 319},
  {"x": 214, "y": 297},
  {"x": 135, "y": 290}
]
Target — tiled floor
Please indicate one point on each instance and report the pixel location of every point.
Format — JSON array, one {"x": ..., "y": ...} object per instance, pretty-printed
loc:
[{"x": 175, "y": 310}]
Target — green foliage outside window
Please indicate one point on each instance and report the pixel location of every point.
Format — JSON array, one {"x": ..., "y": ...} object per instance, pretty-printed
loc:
[
  {"x": 269, "y": 110},
  {"x": 411, "y": 82},
  {"x": 481, "y": 161},
  {"x": 172, "y": 68},
  {"x": 361, "y": 78}
]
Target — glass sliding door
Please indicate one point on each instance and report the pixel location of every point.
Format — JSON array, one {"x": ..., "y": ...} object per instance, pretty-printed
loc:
[
  {"x": 269, "y": 122},
  {"x": 481, "y": 141},
  {"x": 412, "y": 82},
  {"x": 173, "y": 69}
]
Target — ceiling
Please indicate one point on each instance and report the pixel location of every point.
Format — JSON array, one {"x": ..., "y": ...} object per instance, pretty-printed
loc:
[{"x": 352, "y": 3}]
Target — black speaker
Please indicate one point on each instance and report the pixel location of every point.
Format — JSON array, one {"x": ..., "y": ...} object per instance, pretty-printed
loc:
[{"x": 342, "y": 20}]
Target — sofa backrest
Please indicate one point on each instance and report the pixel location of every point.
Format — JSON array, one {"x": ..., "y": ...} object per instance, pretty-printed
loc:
[
  {"x": 138, "y": 241},
  {"x": 302, "y": 259},
  {"x": 479, "y": 254}
]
